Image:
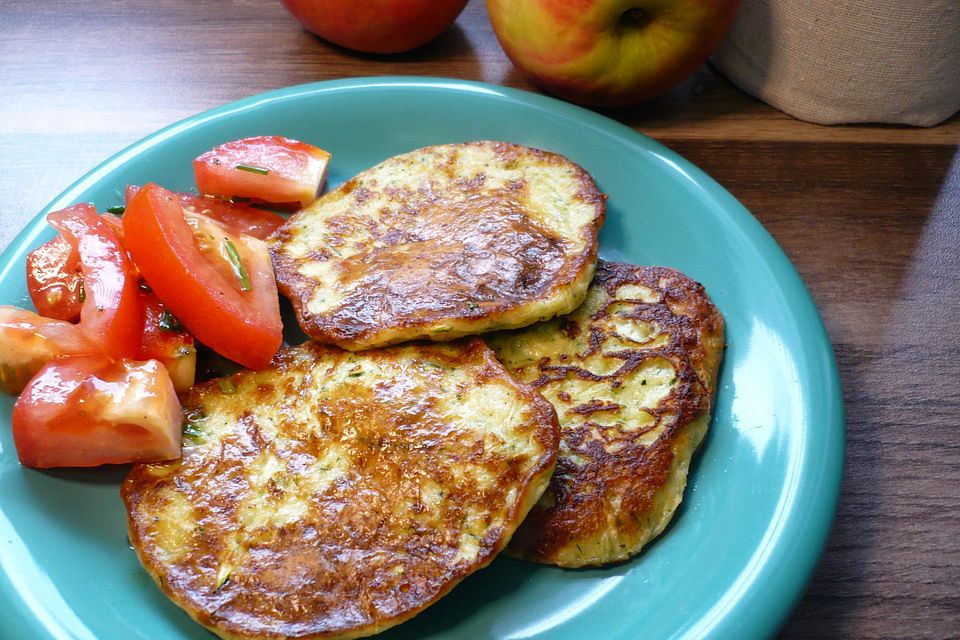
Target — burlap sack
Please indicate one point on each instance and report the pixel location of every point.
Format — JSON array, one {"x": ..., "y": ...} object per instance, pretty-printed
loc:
[{"x": 834, "y": 61}]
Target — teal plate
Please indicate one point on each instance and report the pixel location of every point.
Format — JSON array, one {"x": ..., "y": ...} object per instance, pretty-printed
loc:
[{"x": 762, "y": 491}]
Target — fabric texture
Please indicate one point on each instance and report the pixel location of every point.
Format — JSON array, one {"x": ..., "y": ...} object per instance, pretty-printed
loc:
[{"x": 842, "y": 61}]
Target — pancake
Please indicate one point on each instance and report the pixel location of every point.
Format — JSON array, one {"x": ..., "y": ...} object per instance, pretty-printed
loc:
[
  {"x": 632, "y": 374},
  {"x": 442, "y": 242},
  {"x": 334, "y": 495}
]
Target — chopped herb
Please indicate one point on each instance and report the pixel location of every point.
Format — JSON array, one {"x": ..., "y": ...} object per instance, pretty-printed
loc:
[
  {"x": 169, "y": 322},
  {"x": 643, "y": 383},
  {"x": 252, "y": 169},
  {"x": 116, "y": 210},
  {"x": 191, "y": 419},
  {"x": 226, "y": 386},
  {"x": 355, "y": 374},
  {"x": 238, "y": 269},
  {"x": 222, "y": 582},
  {"x": 82, "y": 292},
  {"x": 191, "y": 430},
  {"x": 472, "y": 305}
]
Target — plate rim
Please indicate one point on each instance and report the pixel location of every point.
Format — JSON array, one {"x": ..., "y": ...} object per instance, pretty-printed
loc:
[{"x": 781, "y": 592}]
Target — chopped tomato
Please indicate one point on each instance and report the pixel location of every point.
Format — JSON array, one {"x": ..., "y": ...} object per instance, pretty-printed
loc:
[
  {"x": 236, "y": 315},
  {"x": 84, "y": 411},
  {"x": 29, "y": 341},
  {"x": 55, "y": 278},
  {"x": 239, "y": 218},
  {"x": 266, "y": 168},
  {"x": 116, "y": 224},
  {"x": 55, "y": 281},
  {"x": 165, "y": 339},
  {"x": 111, "y": 311}
]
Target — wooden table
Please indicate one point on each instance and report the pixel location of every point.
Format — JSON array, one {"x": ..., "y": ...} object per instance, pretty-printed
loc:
[{"x": 869, "y": 215}]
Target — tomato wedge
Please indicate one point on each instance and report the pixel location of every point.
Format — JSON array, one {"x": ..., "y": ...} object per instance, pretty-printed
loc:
[
  {"x": 55, "y": 281},
  {"x": 55, "y": 278},
  {"x": 242, "y": 325},
  {"x": 237, "y": 217},
  {"x": 165, "y": 340},
  {"x": 84, "y": 411},
  {"x": 111, "y": 311},
  {"x": 267, "y": 168},
  {"x": 29, "y": 341}
]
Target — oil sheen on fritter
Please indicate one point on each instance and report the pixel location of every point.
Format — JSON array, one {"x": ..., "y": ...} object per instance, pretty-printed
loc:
[
  {"x": 632, "y": 374},
  {"x": 442, "y": 242},
  {"x": 337, "y": 494}
]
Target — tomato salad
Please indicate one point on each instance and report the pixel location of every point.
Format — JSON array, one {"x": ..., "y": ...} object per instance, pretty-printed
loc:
[{"x": 123, "y": 300}]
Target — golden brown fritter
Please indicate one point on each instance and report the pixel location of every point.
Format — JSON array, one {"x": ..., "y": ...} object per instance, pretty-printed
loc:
[
  {"x": 632, "y": 374},
  {"x": 336, "y": 494},
  {"x": 442, "y": 242}
]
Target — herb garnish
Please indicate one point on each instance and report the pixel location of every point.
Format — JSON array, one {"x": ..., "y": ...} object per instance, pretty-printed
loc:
[
  {"x": 169, "y": 322},
  {"x": 252, "y": 169},
  {"x": 191, "y": 419},
  {"x": 238, "y": 269}
]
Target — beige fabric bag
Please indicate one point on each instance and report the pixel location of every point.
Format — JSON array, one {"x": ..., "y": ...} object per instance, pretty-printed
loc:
[{"x": 833, "y": 61}]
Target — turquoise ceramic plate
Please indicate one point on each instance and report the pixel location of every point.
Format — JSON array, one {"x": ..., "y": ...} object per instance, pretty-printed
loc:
[{"x": 762, "y": 492}]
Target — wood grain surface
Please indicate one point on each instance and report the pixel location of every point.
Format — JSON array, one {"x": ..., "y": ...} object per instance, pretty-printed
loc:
[{"x": 870, "y": 216}]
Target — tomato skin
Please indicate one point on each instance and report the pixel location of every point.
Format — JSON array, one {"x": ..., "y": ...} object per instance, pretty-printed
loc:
[
  {"x": 54, "y": 280},
  {"x": 237, "y": 217},
  {"x": 243, "y": 326},
  {"x": 111, "y": 310},
  {"x": 85, "y": 411},
  {"x": 290, "y": 170},
  {"x": 29, "y": 341}
]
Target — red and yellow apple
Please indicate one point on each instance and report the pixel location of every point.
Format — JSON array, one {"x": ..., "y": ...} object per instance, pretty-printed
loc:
[
  {"x": 609, "y": 52},
  {"x": 376, "y": 26}
]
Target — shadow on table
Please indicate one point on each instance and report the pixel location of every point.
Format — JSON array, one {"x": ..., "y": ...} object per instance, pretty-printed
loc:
[{"x": 877, "y": 227}]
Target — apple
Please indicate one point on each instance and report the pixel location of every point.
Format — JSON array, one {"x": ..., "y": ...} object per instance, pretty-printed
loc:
[
  {"x": 376, "y": 26},
  {"x": 608, "y": 53}
]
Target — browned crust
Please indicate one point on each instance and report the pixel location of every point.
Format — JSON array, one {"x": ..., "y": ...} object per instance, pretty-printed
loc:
[
  {"x": 448, "y": 289},
  {"x": 328, "y": 576},
  {"x": 579, "y": 494}
]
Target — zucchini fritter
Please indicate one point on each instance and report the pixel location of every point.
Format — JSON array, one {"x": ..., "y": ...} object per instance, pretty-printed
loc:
[
  {"x": 632, "y": 374},
  {"x": 442, "y": 242},
  {"x": 334, "y": 495}
]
